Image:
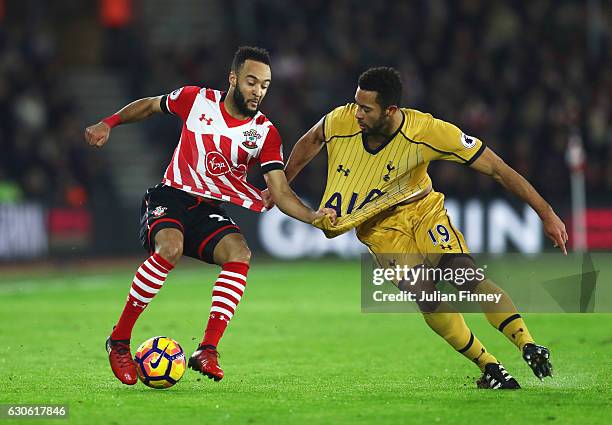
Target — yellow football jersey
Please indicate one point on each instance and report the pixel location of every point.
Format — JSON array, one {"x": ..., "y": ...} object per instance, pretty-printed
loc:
[{"x": 362, "y": 182}]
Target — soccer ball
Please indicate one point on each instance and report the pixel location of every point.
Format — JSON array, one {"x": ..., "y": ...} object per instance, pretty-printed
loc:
[{"x": 160, "y": 362}]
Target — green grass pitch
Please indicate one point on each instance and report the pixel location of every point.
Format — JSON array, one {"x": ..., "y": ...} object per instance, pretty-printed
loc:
[{"x": 298, "y": 351}]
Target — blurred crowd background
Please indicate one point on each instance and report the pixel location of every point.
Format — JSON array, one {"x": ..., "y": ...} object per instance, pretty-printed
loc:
[{"x": 519, "y": 75}]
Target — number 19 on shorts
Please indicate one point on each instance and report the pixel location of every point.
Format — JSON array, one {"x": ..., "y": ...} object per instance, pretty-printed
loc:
[{"x": 441, "y": 234}]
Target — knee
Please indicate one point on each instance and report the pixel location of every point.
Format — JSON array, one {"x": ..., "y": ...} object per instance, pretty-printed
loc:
[
  {"x": 242, "y": 255},
  {"x": 171, "y": 251}
]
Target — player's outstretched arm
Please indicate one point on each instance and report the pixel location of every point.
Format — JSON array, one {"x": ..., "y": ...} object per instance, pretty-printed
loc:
[
  {"x": 289, "y": 203},
  {"x": 97, "y": 135},
  {"x": 492, "y": 165},
  {"x": 306, "y": 148}
]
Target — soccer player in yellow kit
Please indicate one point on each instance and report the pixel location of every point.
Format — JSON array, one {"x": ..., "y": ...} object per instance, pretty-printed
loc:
[{"x": 377, "y": 182}]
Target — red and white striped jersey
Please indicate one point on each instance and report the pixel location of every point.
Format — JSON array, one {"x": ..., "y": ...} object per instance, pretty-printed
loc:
[{"x": 215, "y": 150}]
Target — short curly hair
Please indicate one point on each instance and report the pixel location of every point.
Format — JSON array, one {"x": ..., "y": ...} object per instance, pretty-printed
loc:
[
  {"x": 244, "y": 53},
  {"x": 386, "y": 81}
]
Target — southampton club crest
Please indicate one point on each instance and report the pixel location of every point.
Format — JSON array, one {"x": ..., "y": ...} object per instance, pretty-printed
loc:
[
  {"x": 159, "y": 212},
  {"x": 252, "y": 136}
]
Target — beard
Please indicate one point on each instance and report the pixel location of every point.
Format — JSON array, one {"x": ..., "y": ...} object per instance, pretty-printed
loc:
[
  {"x": 241, "y": 104},
  {"x": 377, "y": 128}
]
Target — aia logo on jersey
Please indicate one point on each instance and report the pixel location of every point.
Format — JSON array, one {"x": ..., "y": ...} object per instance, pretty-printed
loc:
[
  {"x": 335, "y": 201},
  {"x": 252, "y": 136},
  {"x": 217, "y": 165},
  {"x": 159, "y": 212}
]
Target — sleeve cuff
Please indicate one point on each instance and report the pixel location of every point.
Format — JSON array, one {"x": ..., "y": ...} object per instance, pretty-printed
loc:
[
  {"x": 324, "y": 137},
  {"x": 271, "y": 166},
  {"x": 476, "y": 155},
  {"x": 163, "y": 104}
]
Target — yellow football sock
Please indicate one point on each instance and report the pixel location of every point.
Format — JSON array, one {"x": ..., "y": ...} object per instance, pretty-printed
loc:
[
  {"x": 453, "y": 329},
  {"x": 504, "y": 315}
]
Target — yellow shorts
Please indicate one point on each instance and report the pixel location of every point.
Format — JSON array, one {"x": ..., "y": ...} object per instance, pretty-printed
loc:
[{"x": 422, "y": 230}]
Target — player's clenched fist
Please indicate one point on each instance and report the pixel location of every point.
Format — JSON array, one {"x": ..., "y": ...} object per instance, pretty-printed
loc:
[
  {"x": 329, "y": 212},
  {"x": 97, "y": 134}
]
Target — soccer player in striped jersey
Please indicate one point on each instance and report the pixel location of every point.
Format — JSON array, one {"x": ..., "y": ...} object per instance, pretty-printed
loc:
[
  {"x": 377, "y": 182},
  {"x": 223, "y": 135}
]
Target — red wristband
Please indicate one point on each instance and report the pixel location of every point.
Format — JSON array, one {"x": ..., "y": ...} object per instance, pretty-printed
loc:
[{"x": 113, "y": 120}]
